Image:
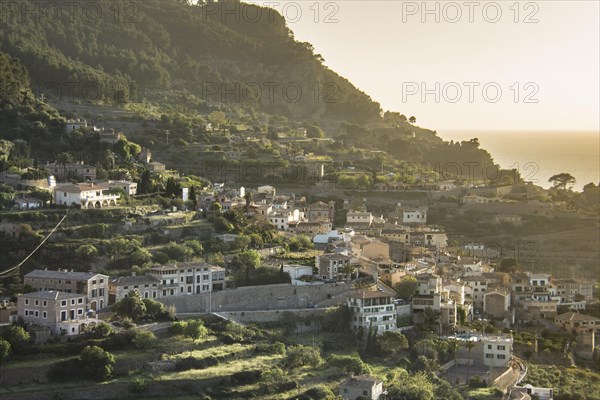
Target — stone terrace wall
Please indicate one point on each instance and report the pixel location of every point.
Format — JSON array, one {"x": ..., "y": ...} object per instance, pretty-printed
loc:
[
  {"x": 268, "y": 297},
  {"x": 269, "y": 316}
]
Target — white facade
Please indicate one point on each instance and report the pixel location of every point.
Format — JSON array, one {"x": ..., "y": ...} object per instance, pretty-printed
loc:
[
  {"x": 358, "y": 217},
  {"x": 73, "y": 125},
  {"x": 86, "y": 195},
  {"x": 414, "y": 216},
  {"x": 188, "y": 278},
  {"x": 497, "y": 350},
  {"x": 130, "y": 188},
  {"x": 361, "y": 387},
  {"x": 282, "y": 218},
  {"x": 372, "y": 310},
  {"x": 298, "y": 271},
  {"x": 63, "y": 313}
]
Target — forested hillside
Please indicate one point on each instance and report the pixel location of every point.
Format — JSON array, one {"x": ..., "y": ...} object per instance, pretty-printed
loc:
[
  {"x": 126, "y": 48},
  {"x": 187, "y": 60}
]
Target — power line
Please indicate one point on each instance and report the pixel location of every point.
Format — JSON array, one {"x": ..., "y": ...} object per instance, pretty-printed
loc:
[{"x": 36, "y": 249}]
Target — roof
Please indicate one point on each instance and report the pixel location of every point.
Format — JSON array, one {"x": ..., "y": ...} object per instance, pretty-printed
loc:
[
  {"x": 334, "y": 256},
  {"x": 369, "y": 294},
  {"x": 497, "y": 290},
  {"x": 82, "y": 187},
  {"x": 134, "y": 280},
  {"x": 361, "y": 381},
  {"x": 28, "y": 200},
  {"x": 51, "y": 295},
  {"x": 71, "y": 275},
  {"x": 575, "y": 316},
  {"x": 185, "y": 265}
]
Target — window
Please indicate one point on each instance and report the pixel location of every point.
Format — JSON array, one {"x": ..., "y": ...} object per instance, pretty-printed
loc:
[
  {"x": 37, "y": 302},
  {"x": 80, "y": 301},
  {"x": 72, "y": 302},
  {"x": 44, "y": 314},
  {"x": 501, "y": 347},
  {"x": 501, "y": 356},
  {"x": 45, "y": 303},
  {"x": 63, "y": 303},
  {"x": 489, "y": 346},
  {"x": 26, "y": 302},
  {"x": 489, "y": 356}
]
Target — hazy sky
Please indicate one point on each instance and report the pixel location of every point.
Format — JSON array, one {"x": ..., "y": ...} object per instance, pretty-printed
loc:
[{"x": 386, "y": 49}]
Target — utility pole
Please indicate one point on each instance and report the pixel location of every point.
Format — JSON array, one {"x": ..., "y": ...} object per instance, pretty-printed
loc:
[{"x": 167, "y": 133}]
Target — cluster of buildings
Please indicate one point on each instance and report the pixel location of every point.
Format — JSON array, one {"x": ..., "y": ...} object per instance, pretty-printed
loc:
[{"x": 65, "y": 302}]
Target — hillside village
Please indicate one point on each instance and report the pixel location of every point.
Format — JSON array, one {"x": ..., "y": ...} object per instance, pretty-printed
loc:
[
  {"x": 161, "y": 242},
  {"x": 303, "y": 253}
]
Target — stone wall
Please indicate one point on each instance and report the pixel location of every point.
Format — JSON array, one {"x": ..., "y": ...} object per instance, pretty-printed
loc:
[
  {"x": 269, "y": 316},
  {"x": 267, "y": 297}
]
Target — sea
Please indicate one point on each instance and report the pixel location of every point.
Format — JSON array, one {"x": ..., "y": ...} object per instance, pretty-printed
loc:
[{"x": 539, "y": 155}]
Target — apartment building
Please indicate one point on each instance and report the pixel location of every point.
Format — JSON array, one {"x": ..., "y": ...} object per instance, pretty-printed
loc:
[
  {"x": 372, "y": 310},
  {"x": 94, "y": 286},
  {"x": 63, "y": 313},
  {"x": 188, "y": 278},
  {"x": 147, "y": 286},
  {"x": 86, "y": 195},
  {"x": 333, "y": 266},
  {"x": 497, "y": 350}
]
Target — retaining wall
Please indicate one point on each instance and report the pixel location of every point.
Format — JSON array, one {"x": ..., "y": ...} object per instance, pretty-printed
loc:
[{"x": 267, "y": 297}]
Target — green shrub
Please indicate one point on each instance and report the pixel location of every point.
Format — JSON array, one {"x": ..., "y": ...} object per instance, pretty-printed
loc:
[
  {"x": 298, "y": 356},
  {"x": 352, "y": 364},
  {"x": 270, "y": 348}
]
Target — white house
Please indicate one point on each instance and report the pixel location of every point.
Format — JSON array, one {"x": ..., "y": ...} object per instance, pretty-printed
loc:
[
  {"x": 359, "y": 217},
  {"x": 540, "y": 392},
  {"x": 86, "y": 195},
  {"x": 130, "y": 188},
  {"x": 281, "y": 218},
  {"x": 361, "y": 387},
  {"x": 372, "y": 309},
  {"x": 497, "y": 350},
  {"x": 322, "y": 239},
  {"x": 61, "y": 312},
  {"x": 298, "y": 271},
  {"x": 28, "y": 203},
  {"x": 73, "y": 125},
  {"x": 188, "y": 278},
  {"x": 414, "y": 215}
]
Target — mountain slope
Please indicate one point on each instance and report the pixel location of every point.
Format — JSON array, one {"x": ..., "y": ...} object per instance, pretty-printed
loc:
[{"x": 116, "y": 50}]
